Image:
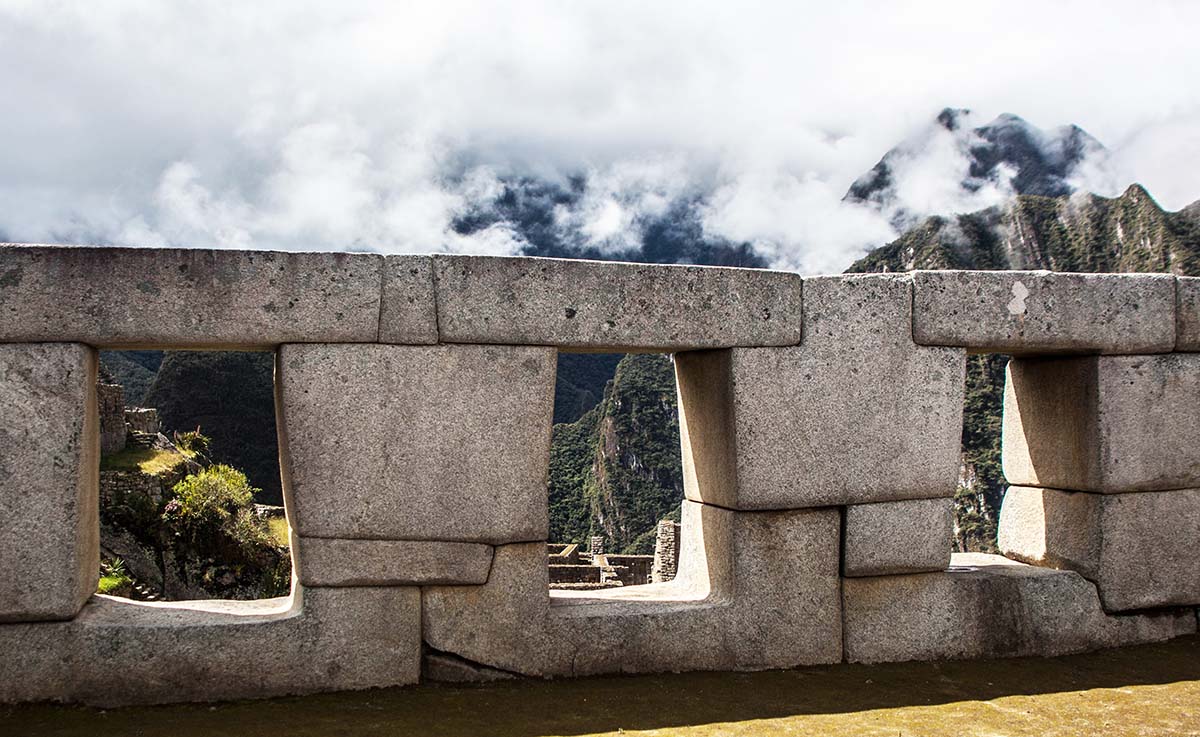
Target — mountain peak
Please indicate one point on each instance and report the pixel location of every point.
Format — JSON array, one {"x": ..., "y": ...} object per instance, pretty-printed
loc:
[{"x": 990, "y": 163}]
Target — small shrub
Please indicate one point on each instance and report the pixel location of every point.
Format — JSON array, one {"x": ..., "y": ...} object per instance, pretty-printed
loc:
[
  {"x": 114, "y": 580},
  {"x": 192, "y": 442},
  {"x": 209, "y": 497}
]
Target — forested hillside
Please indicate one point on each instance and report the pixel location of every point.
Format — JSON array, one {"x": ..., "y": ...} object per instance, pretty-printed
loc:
[{"x": 616, "y": 471}]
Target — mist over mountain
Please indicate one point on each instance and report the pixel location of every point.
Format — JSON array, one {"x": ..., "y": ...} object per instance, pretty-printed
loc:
[
  {"x": 572, "y": 220},
  {"x": 954, "y": 166},
  {"x": 662, "y": 212}
]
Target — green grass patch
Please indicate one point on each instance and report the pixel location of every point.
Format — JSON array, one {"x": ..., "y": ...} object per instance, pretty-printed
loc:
[
  {"x": 279, "y": 530},
  {"x": 110, "y": 584},
  {"x": 147, "y": 460}
]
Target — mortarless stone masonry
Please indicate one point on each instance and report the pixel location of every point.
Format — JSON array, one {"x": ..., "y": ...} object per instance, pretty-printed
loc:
[
  {"x": 415, "y": 471},
  {"x": 666, "y": 552}
]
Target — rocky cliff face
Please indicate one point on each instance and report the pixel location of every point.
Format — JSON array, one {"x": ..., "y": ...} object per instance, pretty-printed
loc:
[{"x": 616, "y": 471}]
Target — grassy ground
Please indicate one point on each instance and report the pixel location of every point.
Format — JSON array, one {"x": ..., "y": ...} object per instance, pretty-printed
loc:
[
  {"x": 279, "y": 530},
  {"x": 1149, "y": 690},
  {"x": 146, "y": 460}
]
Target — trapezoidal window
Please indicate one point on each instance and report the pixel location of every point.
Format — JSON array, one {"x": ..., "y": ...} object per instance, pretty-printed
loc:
[
  {"x": 981, "y": 482},
  {"x": 190, "y": 499},
  {"x": 616, "y": 480}
]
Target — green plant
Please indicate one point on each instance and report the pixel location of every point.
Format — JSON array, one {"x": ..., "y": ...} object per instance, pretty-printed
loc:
[
  {"x": 208, "y": 498},
  {"x": 114, "y": 579},
  {"x": 192, "y": 441}
]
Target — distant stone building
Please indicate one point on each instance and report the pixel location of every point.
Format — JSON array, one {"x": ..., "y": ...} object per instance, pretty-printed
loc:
[
  {"x": 571, "y": 568},
  {"x": 119, "y": 425}
]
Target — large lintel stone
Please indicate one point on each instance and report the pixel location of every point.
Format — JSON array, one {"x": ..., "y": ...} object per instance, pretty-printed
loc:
[
  {"x": 1108, "y": 424},
  {"x": 858, "y": 413},
  {"x": 898, "y": 537},
  {"x": 416, "y": 442},
  {"x": 1140, "y": 549},
  {"x": 593, "y": 305},
  {"x": 192, "y": 298},
  {"x": 335, "y": 562},
  {"x": 49, "y": 456},
  {"x": 986, "y": 606},
  {"x": 1024, "y": 312}
]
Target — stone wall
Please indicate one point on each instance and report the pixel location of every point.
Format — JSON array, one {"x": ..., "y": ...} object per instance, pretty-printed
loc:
[
  {"x": 820, "y": 428},
  {"x": 666, "y": 552},
  {"x": 143, "y": 419},
  {"x": 110, "y": 403}
]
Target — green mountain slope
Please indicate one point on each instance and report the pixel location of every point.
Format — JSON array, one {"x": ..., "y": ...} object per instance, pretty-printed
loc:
[
  {"x": 133, "y": 370},
  {"x": 1082, "y": 233},
  {"x": 616, "y": 471}
]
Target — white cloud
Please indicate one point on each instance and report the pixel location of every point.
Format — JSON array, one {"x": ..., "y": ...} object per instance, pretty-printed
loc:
[{"x": 373, "y": 125}]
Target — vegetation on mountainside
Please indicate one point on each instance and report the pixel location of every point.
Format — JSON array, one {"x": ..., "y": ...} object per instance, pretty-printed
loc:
[
  {"x": 579, "y": 383},
  {"x": 133, "y": 370},
  {"x": 617, "y": 471},
  {"x": 232, "y": 396},
  {"x": 1082, "y": 233}
]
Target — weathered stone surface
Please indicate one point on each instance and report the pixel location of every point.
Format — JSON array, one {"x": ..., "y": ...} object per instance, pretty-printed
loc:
[
  {"x": 49, "y": 459},
  {"x": 335, "y": 562},
  {"x": 898, "y": 537},
  {"x": 987, "y": 606},
  {"x": 1187, "y": 313},
  {"x": 121, "y": 652},
  {"x": 613, "y": 306},
  {"x": 755, "y": 590},
  {"x": 416, "y": 442},
  {"x": 856, "y": 414},
  {"x": 408, "y": 314},
  {"x": 1110, "y": 424},
  {"x": 187, "y": 298},
  {"x": 1140, "y": 549},
  {"x": 443, "y": 668},
  {"x": 1025, "y": 312}
]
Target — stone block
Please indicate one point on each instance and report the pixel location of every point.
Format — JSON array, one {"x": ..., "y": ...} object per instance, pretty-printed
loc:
[
  {"x": 898, "y": 537},
  {"x": 1187, "y": 313},
  {"x": 1139, "y": 549},
  {"x": 334, "y": 562},
  {"x": 986, "y": 606},
  {"x": 754, "y": 590},
  {"x": 1022, "y": 312},
  {"x": 856, "y": 414},
  {"x": 1109, "y": 424},
  {"x": 416, "y": 442},
  {"x": 49, "y": 461},
  {"x": 119, "y": 652},
  {"x": 408, "y": 313},
  {"x": 607, "y": 306},
  {"x": 188, "y": 298}
]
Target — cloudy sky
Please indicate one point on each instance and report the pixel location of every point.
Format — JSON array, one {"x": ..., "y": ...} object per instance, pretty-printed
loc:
[{"x": 359, "y": 125}]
